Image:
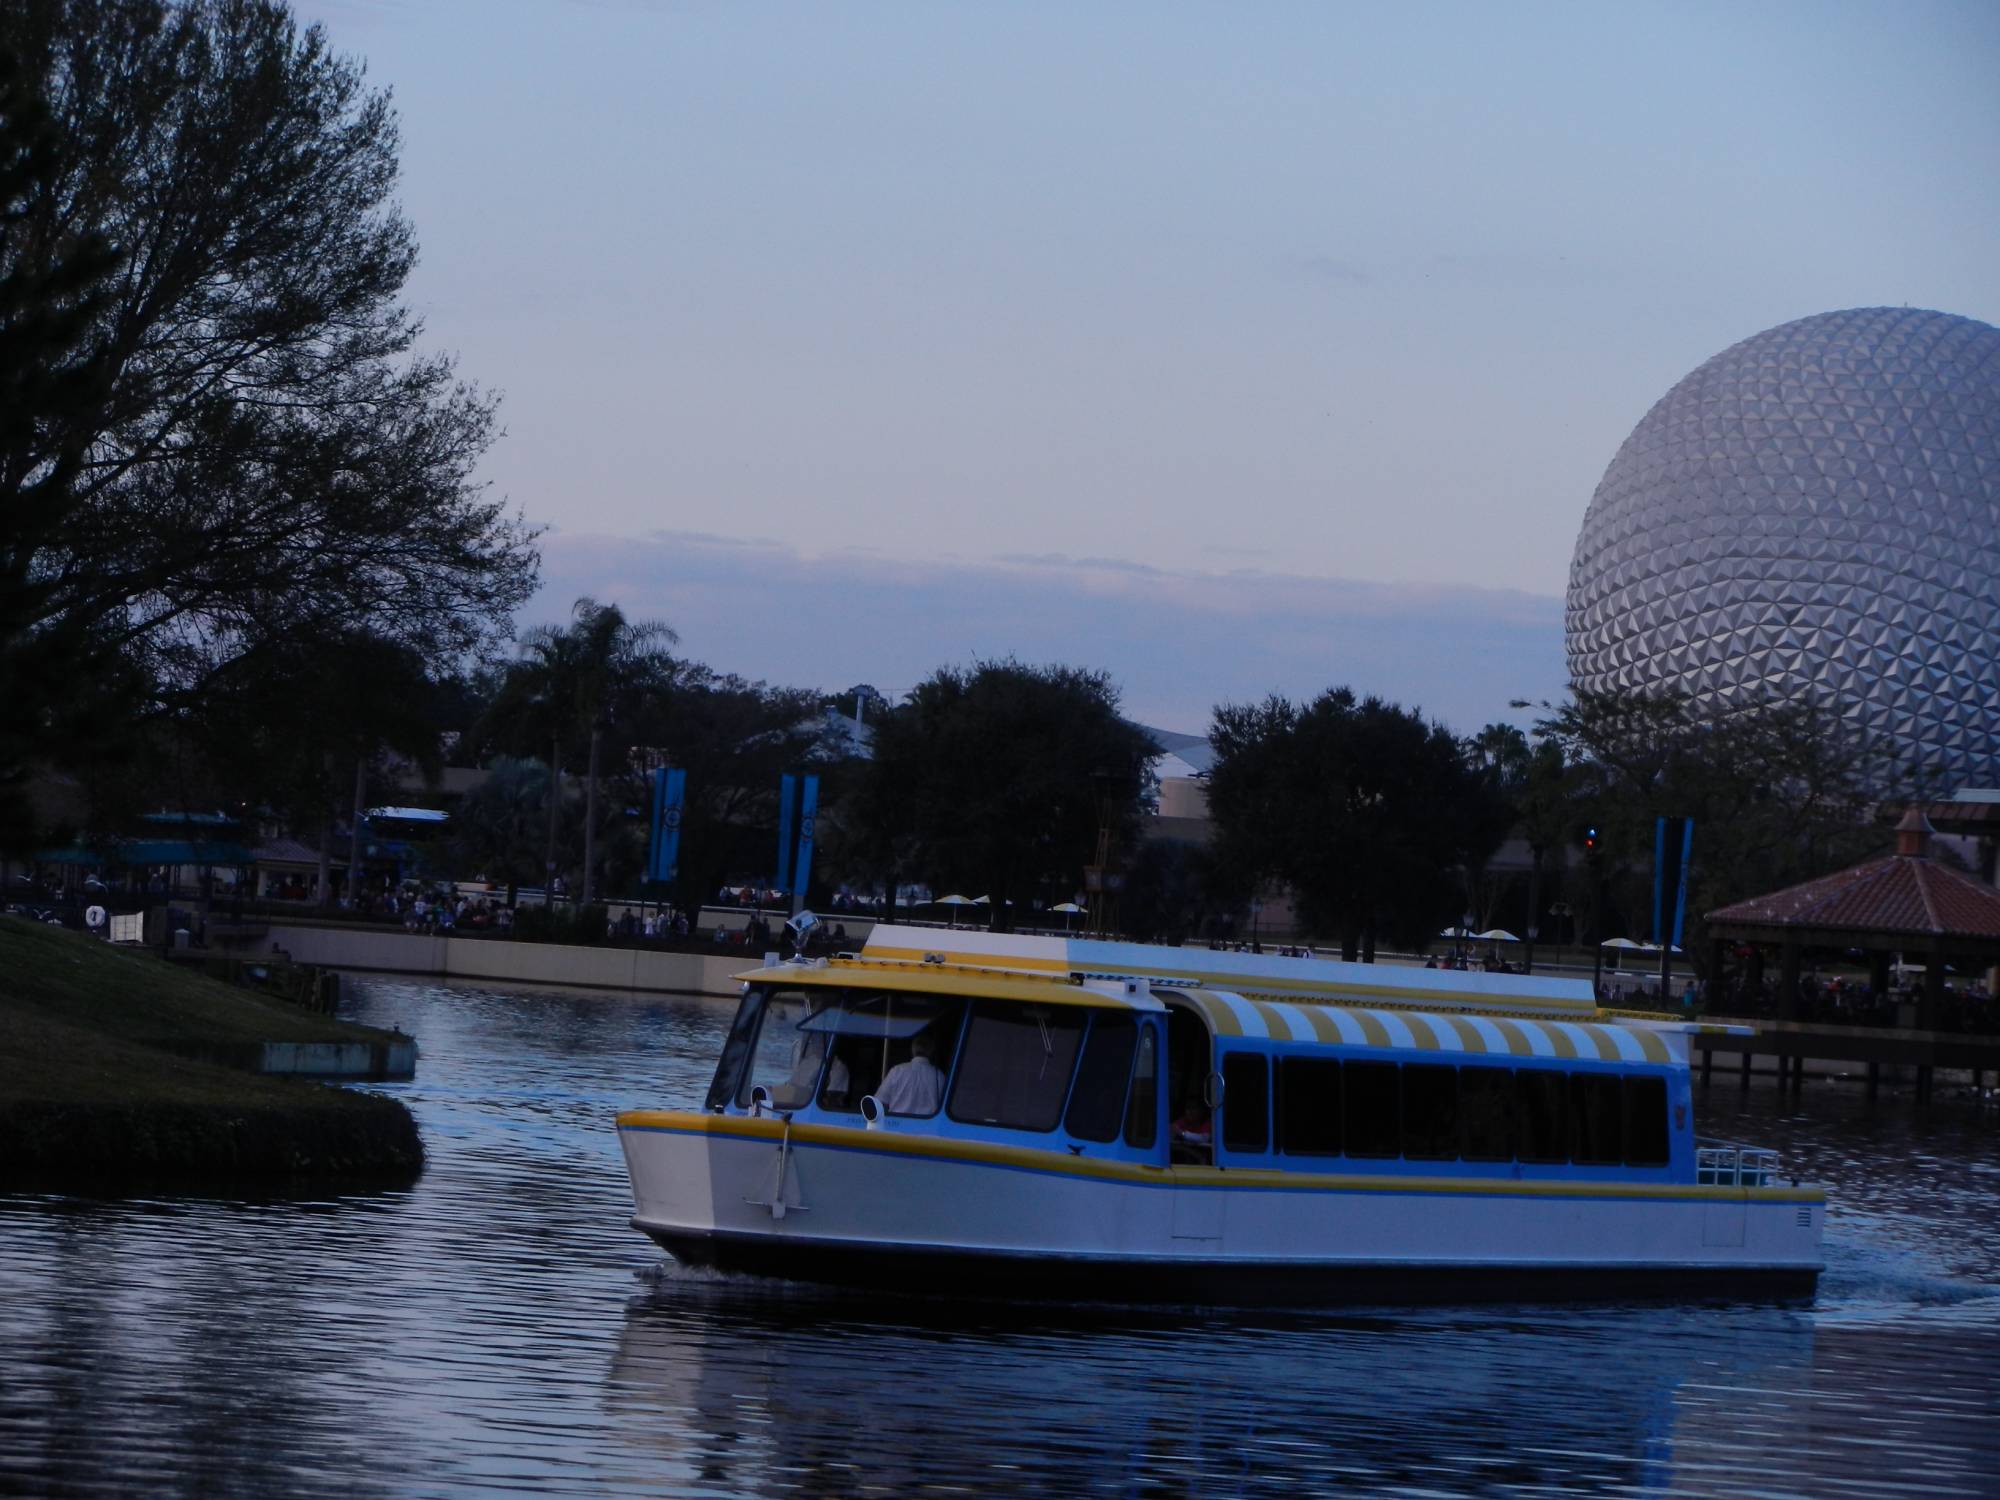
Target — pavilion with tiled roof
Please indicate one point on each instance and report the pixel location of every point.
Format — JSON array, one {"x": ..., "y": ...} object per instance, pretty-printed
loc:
[{"x": 1905, "y": 903}]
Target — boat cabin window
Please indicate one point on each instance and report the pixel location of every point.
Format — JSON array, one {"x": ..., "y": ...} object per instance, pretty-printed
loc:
[
  {"x": 1646, "y": 1143},
  {"x": 1486, "y": 1114},
  {"x": 1246, "y": 1102},
  {"x": 731, "y": 1069},
  {"x": 1541, "y": 1119},
  {"x": 1142, "y": 1111},
  {"x": 1374, "y": 1113},
  {"x": 869, "y": 1035},
  {"x": 788, "y": 1052},
  {"x": 1097, "y": 1103},
  {"x": 1443, "y": 1112},
  {"x": 1016, "y": 1065},
  {"x": 1309, "y": 1106},
  {"x": 1595, "y": 1112},
  {"x": 1430, "y": 1113}
]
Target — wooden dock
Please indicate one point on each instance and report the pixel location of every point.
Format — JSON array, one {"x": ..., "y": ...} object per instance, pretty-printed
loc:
[{"x": 1791, "y": 1044}]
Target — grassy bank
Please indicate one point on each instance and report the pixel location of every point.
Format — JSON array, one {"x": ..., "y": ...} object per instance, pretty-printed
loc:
[{"x": 100, "y": 1083}]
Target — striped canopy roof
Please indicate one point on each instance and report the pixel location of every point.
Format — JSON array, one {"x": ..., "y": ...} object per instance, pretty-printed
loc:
[{"x": 1235, "y": 1015}]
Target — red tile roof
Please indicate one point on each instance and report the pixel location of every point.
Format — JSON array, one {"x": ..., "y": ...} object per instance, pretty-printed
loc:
[{"x": 1902, "y": 893}]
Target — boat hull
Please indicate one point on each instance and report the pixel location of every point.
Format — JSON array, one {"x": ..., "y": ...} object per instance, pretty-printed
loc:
[{"x": 886, "y": 1210}]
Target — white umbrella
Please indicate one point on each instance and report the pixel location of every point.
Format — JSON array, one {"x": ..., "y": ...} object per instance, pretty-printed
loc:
[
  {"x": 1620, "y": 943},
  {"x": 954, "y": 900},
  {"x": 1068, "y": 909},
  {"x": 1499, "y": 935}
]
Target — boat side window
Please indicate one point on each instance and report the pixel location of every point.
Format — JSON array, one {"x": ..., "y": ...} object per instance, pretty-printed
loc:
[
  {"x": 1309, "y": 1106},
  {"x": 1430, "y": 1112},
  {"x": 730, "y": 1082},
  {"x": 1373, "y": 1116},
  {"x": 1541, "y": 1120},
  {"x": 1246, "y": 1102},
  {"x": 1646, "y": 1122},
  {"x": 1015, "y": 1067},
  {"x": 1486, "y": 1113},
  {"x": 1097, "y": 1103},
  {"x": 1594, "y": 1112},
  {"x": 872, "y": 1034},
  {"x": 1142, "y": 1114},
  {"x": 787, "y": 1058}
]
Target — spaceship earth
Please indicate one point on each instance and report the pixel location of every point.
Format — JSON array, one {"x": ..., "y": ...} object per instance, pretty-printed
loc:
[{"x": 1813, "y": 513}]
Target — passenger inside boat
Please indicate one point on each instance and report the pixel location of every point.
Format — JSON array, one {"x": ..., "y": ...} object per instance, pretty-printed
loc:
[
  {"x": 875, "y": 1036},
  {"x": 914, "y": 1086},
  {"x": 1188, "y": 1065},
  {"x": 1193, "y": 1133}
]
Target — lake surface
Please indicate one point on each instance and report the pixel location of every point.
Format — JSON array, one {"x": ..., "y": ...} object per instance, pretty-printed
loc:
[{"x": 499, "y": 1328}]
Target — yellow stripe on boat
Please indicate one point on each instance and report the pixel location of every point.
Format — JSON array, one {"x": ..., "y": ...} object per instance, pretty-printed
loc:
[{"x": 1061, "y": 1163}]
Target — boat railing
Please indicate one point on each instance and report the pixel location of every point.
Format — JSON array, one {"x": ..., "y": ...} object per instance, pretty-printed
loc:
[{"x": 1722, "y": 1164}]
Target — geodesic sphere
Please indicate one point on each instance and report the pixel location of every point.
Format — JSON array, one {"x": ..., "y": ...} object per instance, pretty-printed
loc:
[{"x": 1814, "y": 512}]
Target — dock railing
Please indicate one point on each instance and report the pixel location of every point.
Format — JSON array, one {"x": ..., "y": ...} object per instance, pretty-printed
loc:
[{"x": 1721, "y": 1164}]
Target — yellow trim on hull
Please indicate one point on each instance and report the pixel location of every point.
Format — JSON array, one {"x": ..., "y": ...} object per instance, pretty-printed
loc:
[{"x": 987, "y": 1153}]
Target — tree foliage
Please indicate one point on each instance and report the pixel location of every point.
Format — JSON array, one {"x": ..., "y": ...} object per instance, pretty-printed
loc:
[
  {"x": 497, "y": 830},
  {"x": 1779, "y": 792},
  {"x": 229, "y": 436},
  {"x": 734, "y": 739},
  {"x": 1363, "y": 809},
  {"x": 996, "y": 778},
  {"x": 582, "y": 687}
]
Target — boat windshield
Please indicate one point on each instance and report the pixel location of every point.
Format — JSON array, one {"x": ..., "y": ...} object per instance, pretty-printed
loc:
[
  {"x": 789, "y": 1051},
  {"x": 875, "y": 1033}
]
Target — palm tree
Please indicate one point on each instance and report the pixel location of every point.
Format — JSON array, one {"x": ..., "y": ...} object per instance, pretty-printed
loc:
[{"x": 580, "y": 680}]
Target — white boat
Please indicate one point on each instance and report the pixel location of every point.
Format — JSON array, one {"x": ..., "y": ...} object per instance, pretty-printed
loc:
[{"x": 1109, "y": 1120}]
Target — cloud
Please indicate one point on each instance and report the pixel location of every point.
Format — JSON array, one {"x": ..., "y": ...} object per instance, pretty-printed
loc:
[{"x": 1178, "y": 643}]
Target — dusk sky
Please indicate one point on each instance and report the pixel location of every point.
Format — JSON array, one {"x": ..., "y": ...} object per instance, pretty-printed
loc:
[{"x": 1233, "y": 349}]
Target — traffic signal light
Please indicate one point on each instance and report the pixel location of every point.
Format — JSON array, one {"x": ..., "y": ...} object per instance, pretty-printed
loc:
[{"x": 1590, "y": 839}]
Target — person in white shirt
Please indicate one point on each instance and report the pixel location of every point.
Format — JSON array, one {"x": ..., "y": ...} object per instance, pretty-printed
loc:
[{"x": 915, "y": 1087}]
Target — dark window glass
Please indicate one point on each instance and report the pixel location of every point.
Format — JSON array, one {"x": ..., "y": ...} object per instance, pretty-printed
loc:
[
  {"x": 1014, "y": 1068},
  {"x": 1486, "y": 1113},
  {"x": 1309, "y": 1106},
  {"x": 1374, "y": 1120},
  {"x": 1541, "y": 1123},
  {"x": 1142, "y": 1113},
  {"x": 1595, "y": 1106},
  {"x": 1097, "y": 1103},
  {"x": 1246, "y": 1102},
  {"x": 731, "y": 1069},
  {"x": 1430, "y": 1113},
  {"x": 1646, "y": 1122}
]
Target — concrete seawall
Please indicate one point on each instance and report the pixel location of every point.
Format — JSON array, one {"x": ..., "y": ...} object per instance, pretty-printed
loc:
[{"x": 388, "y": 951}]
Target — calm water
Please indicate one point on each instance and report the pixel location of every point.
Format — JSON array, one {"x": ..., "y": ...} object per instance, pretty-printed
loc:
[{"x": 498, "y": 1327}]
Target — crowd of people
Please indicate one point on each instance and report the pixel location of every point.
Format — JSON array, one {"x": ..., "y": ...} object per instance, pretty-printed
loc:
[{"x": 1965, "y": 1005}]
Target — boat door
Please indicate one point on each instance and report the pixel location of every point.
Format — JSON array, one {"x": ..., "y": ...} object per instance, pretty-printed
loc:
[{"x": 1197, "y": 1213}]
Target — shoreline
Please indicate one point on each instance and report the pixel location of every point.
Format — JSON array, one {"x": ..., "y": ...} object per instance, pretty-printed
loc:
[{"x": 116, "y": 1075}]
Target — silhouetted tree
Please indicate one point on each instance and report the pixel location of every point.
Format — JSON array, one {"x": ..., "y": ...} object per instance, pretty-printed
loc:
[
  {"x": 294, "y": 726},
  {"x": 577, "y": 684},
  {"x": 1780, "y": 793},
  {"x": 999, "y": 777},
  {"x": 1368, "y": 813},
  {"x": 230, "y": 434}
]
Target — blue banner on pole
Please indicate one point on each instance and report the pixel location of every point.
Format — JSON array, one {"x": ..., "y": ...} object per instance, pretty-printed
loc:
[
  {"x": 786, "y": 785},
  {"x": 1687, "y": 858},
  {"x": 1673, "y": 847},
  {"x": 669, "y": 792},
  {"x": 808, "y": 808}
]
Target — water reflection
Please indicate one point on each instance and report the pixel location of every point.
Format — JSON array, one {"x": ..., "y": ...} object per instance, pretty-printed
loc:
[{"x": 772, "y": 1393}]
